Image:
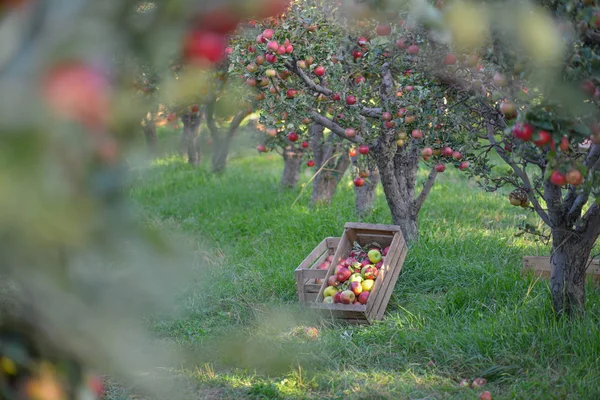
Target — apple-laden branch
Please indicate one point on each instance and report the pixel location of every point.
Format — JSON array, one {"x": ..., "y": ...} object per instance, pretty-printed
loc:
[{"x": 521, "y": 174}]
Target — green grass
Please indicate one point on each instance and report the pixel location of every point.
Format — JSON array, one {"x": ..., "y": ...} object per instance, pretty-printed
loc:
[{"x": 460, "y": 308}]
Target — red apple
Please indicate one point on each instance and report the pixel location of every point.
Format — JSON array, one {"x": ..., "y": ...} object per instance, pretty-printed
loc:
[
  {"x": 564, "y": 144},
  {"x": 440, "y": 167},
  {"x": 336, "y": 97},
  {"x": 457, "y": 155},
  {"x": 358, "y": 181},
  {"x": 343, "y": 274},
  {"x": 310, "y": 163},
  {"x": 304, "y": 145},
  {"x": 260, "y": 60},
  {"x": 447, "y": 152},
  {"x": 385, "y": 251},
  {"x": 413, "y": 49},
  {"x": 271, "y": 58},
  {"x": 543, "y": 139},
  {"x": 356, "y": 287},
  {"x": 363, "y": 297},
  {"x": 79, "y": 92},
  {"x": 383, "y": 30},
  {"x": 464, "y": 165},
  {"x": 362, "y": 42},
  {"x": 558, "y": 178},
  {"x": 291, "y": 93},
  {"x": 350, "y": 100},
  {"x": 386, "y": 116},
  {"x": 417, "y": 134},
  {"x": 401, "y": 43},
  {"x": 319, "y": 71},
  {"x": 337, "y": 298},
  {"x": 273, "y": 46},
  {"x": 389, "y": 124},
  {"x": 268, "y": 34},
  {"x": 350, "y": 132},
  {"x": 333, "y": 281},
  {"x": 450, "y": 59},
  {"x": 523, "y": 132},
  {"x": 292, "y": 136},
  {"x": 574, "y": 177},
  {"x": 427, "y": 152},
  {"x": 281, "y": 50},
  {"x": 363, "y": 149},
  {"x": 347, "y": 297},
  {"x": 352, "y": 152},
  {"x": 485, "y": 396},
  {"x": 261, "y": 149},
  {"x": 201, "y": 46},
  {"x": 357, "y": 54}
]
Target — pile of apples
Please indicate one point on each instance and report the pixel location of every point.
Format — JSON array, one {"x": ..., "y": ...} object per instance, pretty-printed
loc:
[{"x": 354, "y": 277}]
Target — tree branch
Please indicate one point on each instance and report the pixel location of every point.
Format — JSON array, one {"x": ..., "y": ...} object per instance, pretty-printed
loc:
[
  {"x": 425, "y": 191},
  {"x": 209, "y": 110},
  {"x": 573, "y": 202},
  {"x": 333, "y": 127},
  {"x": 521, "y": 174},
  {"x": 292, "y": 66},
  {"x": 236, "y": 121}
]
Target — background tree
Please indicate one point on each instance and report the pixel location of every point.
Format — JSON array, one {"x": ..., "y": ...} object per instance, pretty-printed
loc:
[{"x": 348, "y": 77}]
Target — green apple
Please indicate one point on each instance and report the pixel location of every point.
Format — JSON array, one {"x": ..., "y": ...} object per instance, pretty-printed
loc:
[
  {"x": 330, "y": 291},
  {"x": 357, "y": 277},
  {"x": 328, "y": 299},
  {"x": 374, "y": 256},
  {"x": 367, "y": 285}
]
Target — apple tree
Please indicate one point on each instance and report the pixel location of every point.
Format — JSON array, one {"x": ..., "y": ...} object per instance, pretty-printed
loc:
[
  {"x": 525, "y": 87},
  {"x": 353, "y": 78}
]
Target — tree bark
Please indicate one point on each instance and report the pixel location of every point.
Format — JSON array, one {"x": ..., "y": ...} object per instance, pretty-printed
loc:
[
  {"x": 149, "y": 128},
  {"x": 365, "y": 195},
  {"x": 191, "y": 132},
  {"x": 292, "y": 158},
  {"x": 334, "y": 166},
  {"x": 220, "y": 152},
  {"x": 398, "y": 173},
  {"x": 569, "y": 261}
]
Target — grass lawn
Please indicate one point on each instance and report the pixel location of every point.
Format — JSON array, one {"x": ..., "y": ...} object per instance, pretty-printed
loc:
[{"x": 460, "y": 308}]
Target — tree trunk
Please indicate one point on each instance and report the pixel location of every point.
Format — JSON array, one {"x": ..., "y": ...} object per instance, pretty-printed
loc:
[
  {"x": 149, "y": 128},
  {"x": 219, "y": 154},
  {"x": 191, "y": 133},
  {"x": 398, "y": 174},
  {"x": 292, "y": 158},
  {"x": 365, "y": 195},
  {"x": 326, "y": 181},
  {"x": 569, "y": 261}
]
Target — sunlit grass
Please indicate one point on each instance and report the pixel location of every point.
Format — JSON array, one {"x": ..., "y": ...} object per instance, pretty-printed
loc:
[{"x": 460, "y": 308}]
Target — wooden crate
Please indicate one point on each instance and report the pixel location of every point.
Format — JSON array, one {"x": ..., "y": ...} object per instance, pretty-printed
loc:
[
  {"x": 384, "y": 235},
  {"x": 306, "y": 273},
  {"x": 540, "y": 266}
]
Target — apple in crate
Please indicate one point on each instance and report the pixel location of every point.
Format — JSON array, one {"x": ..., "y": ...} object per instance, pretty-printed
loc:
[
  {"x": 385, "y": 251},
  {"x": 367, "y": 285},
  {"x": 333, "y": 281},
  {"x": 355, "y": 278},
  {"x": 347, "y": 297},
  {"x": 363, "y": 297},
  {"x": 374, "y": 256},
  {"x": 338, "y": 297},
  {"x": 343, "y": 274},
  {"x": 328, "y": 300},
  {"x": 330, "y": 291},
  {"x": 369, "y": 272},
  {"x": 365, "y": 262},
  {"x": 324, "y": 265},
  {"x": 329, "y": 258},
  {"x": 356, "y": 288}
]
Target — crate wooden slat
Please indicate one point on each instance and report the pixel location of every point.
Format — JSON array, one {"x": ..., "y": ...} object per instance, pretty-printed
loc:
[
  {"x": 541, "y": 267},
  {"x": 384, "y": 235},
  {"x": 306, "y": 273}
]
